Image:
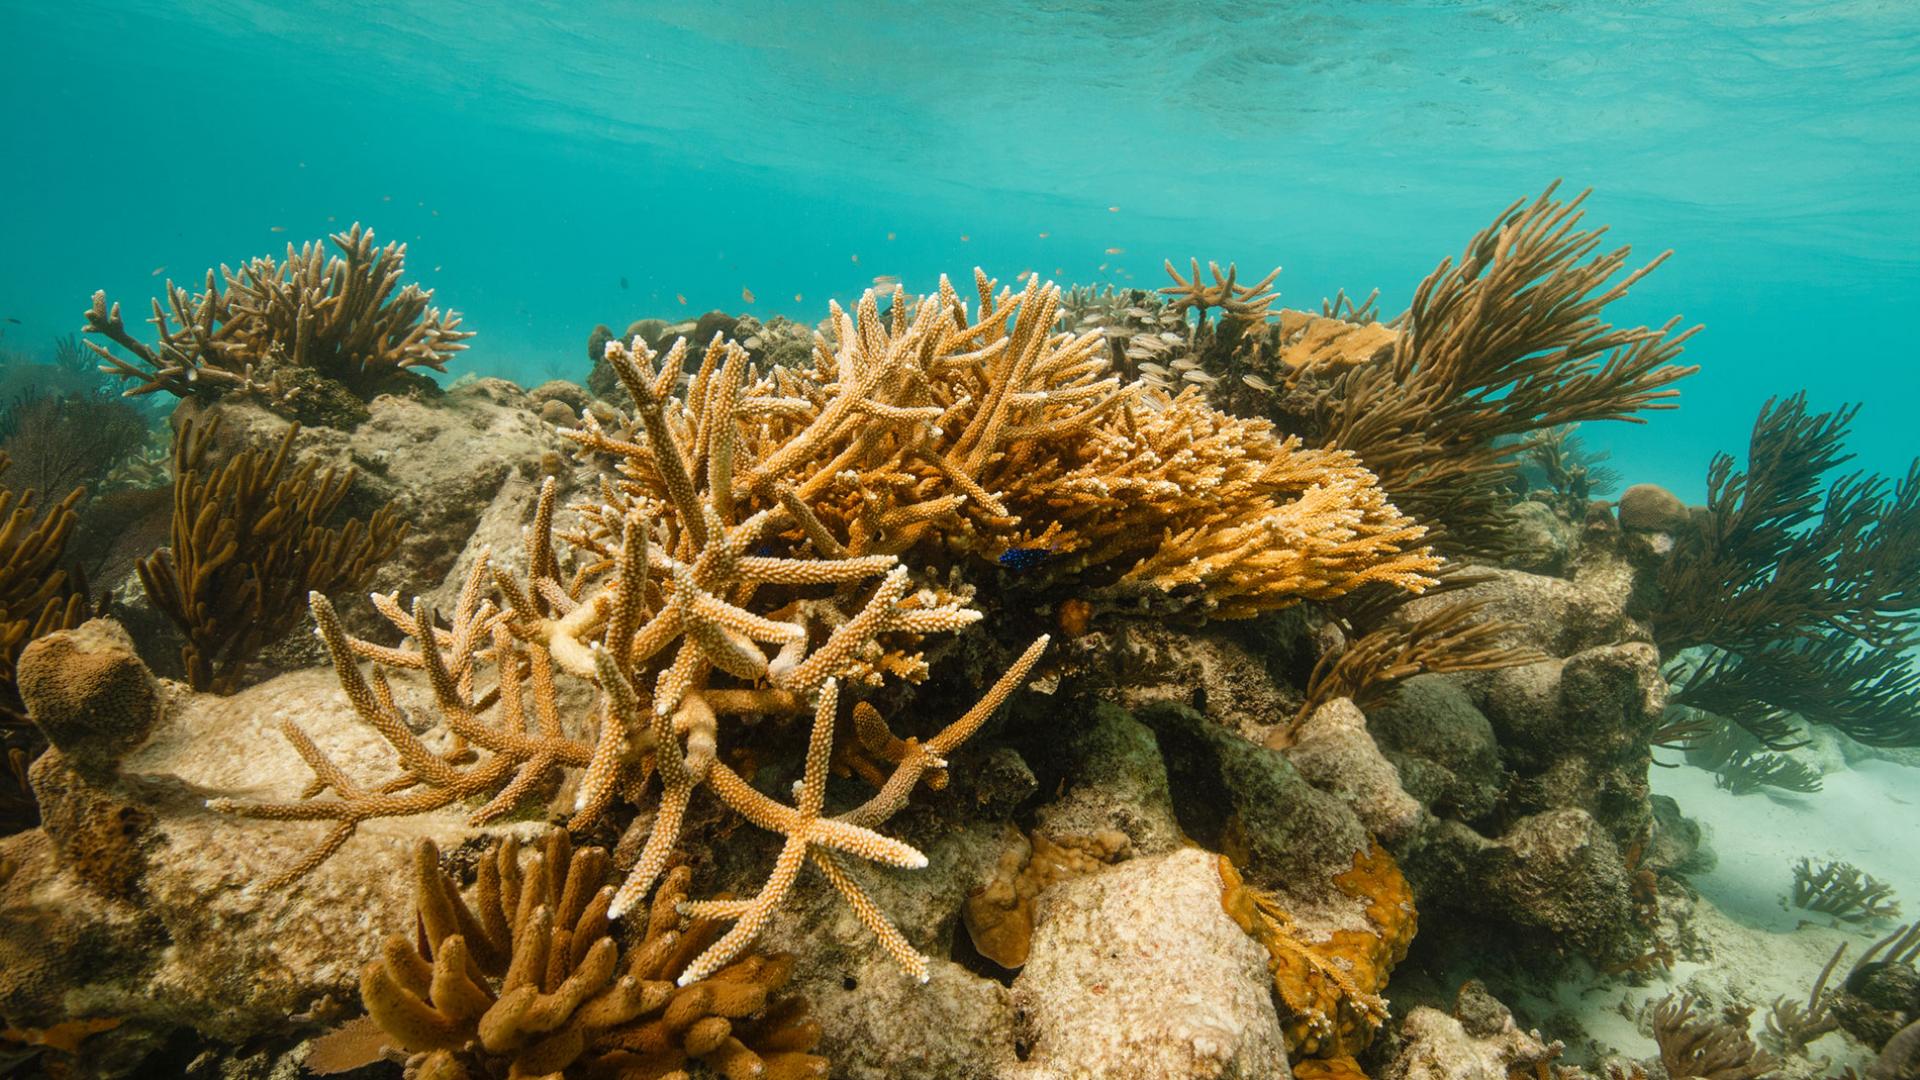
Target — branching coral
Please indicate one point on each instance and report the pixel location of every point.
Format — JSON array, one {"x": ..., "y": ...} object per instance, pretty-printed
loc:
[
  {"x": 755, "y": 515},
  {"x": 1696, "y": 1045},
  {"x": 1842, "y": 890},
  {"x": 346, "y": 317},
  {"x": 248, "y": 540},
  {"x": 1806, "y": 598},
  {"x": 532, "y": 983}
]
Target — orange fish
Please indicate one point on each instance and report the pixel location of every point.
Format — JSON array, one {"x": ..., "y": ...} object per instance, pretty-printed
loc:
[
  {"x": 856, "y": 260},
  {"x": 797, "y": 298},
  {"x": 1113, "y": 209},
  {"x": 886, "y": 279},
  {"x": 277, "y": 228},
  {"x": 746, "y": 294},
  {"x": 1116, "y": 251},
  {"x": 682, "y": 297},
  {"x": 964, "y": 238},
  {"x": 889, "y": 236},
  {"x": 1043, "y": 236}
]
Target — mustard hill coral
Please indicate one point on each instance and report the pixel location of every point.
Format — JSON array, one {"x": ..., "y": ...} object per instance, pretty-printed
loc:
[
  {"x": 529, "y": 980},
  {"x": 346, "y": 317}
]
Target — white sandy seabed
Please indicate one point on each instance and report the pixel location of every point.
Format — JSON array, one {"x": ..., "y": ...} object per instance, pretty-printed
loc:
[{"x": 1867, "y": 813}]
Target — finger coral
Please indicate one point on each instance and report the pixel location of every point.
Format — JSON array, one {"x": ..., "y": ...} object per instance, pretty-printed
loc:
[
  {"x": 248, "y": 540},
  {"x": 528, "y": 981},
  {"x": 345, "y": 317}
]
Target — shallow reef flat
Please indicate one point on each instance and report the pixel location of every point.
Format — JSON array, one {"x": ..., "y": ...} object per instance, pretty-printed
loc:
[{"x": 1005, "y": 682}]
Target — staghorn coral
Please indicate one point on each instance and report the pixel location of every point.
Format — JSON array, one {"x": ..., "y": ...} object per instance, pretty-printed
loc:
[
  {"x": 532, "y": 983},
  {"x": 1842, "y": 890},
  {"x": 248, "y": 539},
  {"x": 1803, "y": 596},
  {"x": 1330, "y": 988},
  {"x": 990, "y": 433},
  {"x": 345, "y": 317},
  {"x": 1696, "y": 1045},
  {"x": 756, "y": 513}
]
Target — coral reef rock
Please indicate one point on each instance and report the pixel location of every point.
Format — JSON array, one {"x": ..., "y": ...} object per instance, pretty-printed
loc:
[
  {"x": 135, "y": 901},
  {"x": 1138, "y": 971}
]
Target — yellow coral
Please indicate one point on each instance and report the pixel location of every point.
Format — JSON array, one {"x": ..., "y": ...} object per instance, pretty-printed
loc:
[{"x": 1331, "y": 987}]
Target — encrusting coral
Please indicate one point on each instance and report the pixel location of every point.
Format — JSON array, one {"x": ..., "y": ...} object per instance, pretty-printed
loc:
[
  {"x": 248, "y": 540},
  {"x": 1331, "y": 988},
  {"x": 999, "y": 915},
  {"x": 528, "y": 981},
  {"x": 345, "y": 317},
  {"x": 754, "y": 512}
]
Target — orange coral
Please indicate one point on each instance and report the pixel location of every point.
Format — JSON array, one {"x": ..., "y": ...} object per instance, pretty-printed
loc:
[
  {"x": 999, "y": 915},
  {"x": 1331, "y": 987}
]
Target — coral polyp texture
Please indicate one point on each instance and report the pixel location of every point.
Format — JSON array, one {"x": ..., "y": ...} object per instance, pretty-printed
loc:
[
  {"x": 528, "y": 981},
  {"x": 344, "y": 316}
]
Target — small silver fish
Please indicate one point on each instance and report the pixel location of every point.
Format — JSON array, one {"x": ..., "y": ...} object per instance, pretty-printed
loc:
[
  {"x": 1257, "y": 383},
  {"x": 1201, "y": 377}
]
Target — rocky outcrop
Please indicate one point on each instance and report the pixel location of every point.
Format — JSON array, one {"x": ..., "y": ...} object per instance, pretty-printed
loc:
[{"x": 1138, "y": 971}]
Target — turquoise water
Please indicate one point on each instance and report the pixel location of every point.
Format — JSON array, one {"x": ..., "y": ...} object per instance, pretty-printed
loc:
[{"x": 537, "y": 155}]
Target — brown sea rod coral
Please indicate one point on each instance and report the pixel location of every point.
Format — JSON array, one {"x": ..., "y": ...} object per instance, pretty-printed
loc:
[
  {"x": 753, "y": 555},
  {"x": 528, "y": 981},
  {"x": 1712, "y": 1048},
  {"x": 249, "y": 540},
  {"x": 346, "y": 317}
]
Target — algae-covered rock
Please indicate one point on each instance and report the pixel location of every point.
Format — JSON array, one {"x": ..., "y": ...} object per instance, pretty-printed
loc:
[
  {"x": 1435, "y": 1046},
  {"x": 1138, "y": 971},
  {"x": 1116, "y": 781},
  {"x": 135, "y": 900},
  {"x": 1444, "y": 747},
  {"x": 1559, "y": 872},
  {"x": 1335, "y": 753},
  {"x": 1651, "y": 508}
]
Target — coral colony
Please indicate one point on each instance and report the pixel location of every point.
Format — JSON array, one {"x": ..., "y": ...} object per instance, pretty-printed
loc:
[{"x": 1002, "y": 681}]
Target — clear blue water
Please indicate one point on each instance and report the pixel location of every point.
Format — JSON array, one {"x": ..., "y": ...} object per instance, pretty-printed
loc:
[{"x": 535, "y": 154}]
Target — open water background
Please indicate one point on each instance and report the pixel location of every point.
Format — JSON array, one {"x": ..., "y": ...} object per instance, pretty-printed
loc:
[{"x": 536, "y": 154}]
